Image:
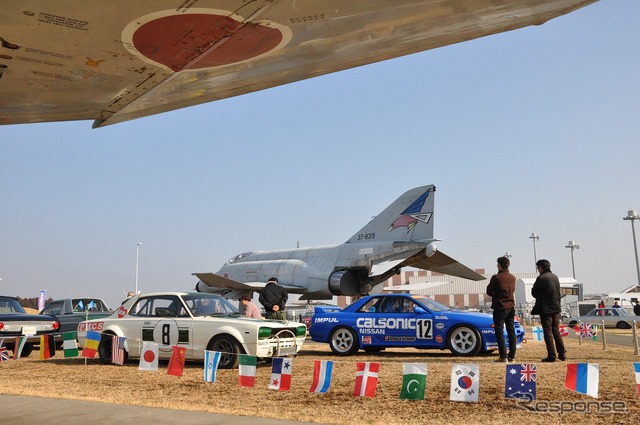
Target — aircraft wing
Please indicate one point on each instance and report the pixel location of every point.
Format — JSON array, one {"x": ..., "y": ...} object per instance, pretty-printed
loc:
[
  {"x": 442, "y": 263},
  {"x": 113, "y": 61},
  {"x": 413, "y": 286},
  {"x": 220, "y": 282}
]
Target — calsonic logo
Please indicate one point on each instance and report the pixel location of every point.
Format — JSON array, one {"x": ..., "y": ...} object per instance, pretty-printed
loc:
[
  {"x": 412, "y": 215},
  {"x": 386, "y": 323},
  {"x": 326, "y": 320}
]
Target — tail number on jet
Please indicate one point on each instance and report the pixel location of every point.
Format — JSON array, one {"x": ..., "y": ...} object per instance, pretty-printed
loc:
[
  {"x": 366, "y": 236},
  {"x": 424, "y": 329}
]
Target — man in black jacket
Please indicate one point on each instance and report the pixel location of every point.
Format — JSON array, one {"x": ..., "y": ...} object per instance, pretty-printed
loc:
[
  {"x": 273, "y": 298},
  {"x": 501, "y": 289},
  {"x": 546, "y": 291}
]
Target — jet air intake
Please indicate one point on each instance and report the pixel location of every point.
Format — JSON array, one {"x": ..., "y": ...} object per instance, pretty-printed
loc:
[{"x": 344, "y": 282}]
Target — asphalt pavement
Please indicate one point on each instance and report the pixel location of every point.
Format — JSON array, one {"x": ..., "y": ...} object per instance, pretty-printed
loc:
[{"x": 24, "y": 410}]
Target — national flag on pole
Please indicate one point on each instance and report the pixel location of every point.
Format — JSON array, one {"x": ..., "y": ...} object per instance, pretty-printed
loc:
[
  {"x": 465, "y": 382},
  {"x": 69, "y": 345},
  {"x": 586, "y": 330},
  {"x": 322, "y": 370},
  {"x": 520, "y": 382},
  {"x": 281, "y": 374},
  {"x": 211, "y": 360},
  {"x": 366, "y": 379},
  {"x": 149, "y": 357},
  {"x": 176, "y": 362},
  {"x": 117, "y": 349},
  {"x": 636, "y": 369},
  {"x": 247, "y": 370},
  {"x": 19, "y": 345},
  {"x": 583, "y": 378},
  {"x": 47, "y": 347},
  {"x": 91, "y": 345},
  {"x": 414, "y": 381},
  {"x": 4, "y": 353},
  {"x": 538, "y": 334},
  {"x": 564, "y": 330}
]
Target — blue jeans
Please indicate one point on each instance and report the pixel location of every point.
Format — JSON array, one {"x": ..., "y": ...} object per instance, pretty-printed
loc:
[{"x": 500, "y": 319}]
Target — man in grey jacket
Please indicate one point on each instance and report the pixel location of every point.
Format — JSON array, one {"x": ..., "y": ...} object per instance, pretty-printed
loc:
[{"x": 546, "y": 291}]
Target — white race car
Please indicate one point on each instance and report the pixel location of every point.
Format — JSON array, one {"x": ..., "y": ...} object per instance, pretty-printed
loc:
[{"x": 196, "y": 321}]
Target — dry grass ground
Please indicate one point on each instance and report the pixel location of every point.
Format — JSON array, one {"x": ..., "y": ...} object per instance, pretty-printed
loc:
[{"x": 72, "y": 379}]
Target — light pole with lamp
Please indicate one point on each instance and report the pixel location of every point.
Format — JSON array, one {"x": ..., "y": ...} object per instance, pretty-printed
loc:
[
  {"x": 137, "y": 262},
  {"x": 573, "y": 245},
  {"x": 534, "y": 237},
  {"x": 633, "y": 216}
]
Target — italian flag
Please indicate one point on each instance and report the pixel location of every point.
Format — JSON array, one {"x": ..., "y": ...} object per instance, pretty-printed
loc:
[
  {"x": 69, "y": 344},
  {"x": 247, "y": 370}
]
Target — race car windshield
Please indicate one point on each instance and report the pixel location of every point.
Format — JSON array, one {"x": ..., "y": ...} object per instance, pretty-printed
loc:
[
  {"x": 202, "y": 305},
  {"x": 431, "y": 304}
]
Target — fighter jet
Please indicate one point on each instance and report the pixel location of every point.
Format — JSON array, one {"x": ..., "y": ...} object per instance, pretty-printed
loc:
[{"x": 400, "y": 236}]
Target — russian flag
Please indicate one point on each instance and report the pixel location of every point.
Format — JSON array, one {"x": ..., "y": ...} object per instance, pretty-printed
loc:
[
  {"x": 322, "y": 370},
  {"x": 583, "y": 378}
]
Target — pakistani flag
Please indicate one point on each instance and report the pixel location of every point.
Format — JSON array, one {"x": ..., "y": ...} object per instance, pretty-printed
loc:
[
  {"x": 414, "y": 381},
  {"x": 69, "y": 344}
]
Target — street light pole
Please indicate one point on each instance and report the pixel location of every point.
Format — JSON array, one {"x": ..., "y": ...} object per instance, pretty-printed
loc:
[
  {"x": 573, "y": 245},
  {"x": 633, "y": 216},
  {"x": 535, "y": 238},
  {"x": 137, "y": 262}
]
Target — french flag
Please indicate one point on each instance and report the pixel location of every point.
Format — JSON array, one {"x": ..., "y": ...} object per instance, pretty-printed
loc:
[
  {"x": 322, "y": 370},
  {"x": 636, "y": 368},
  {"x": 583, "y": 378}
]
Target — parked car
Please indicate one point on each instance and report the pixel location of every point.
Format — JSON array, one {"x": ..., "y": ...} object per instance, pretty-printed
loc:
[
  {"x": 196, "y": 321},
  {"x": 375, "y": 322},
  {"x": 620, "y": 318},
  {"x": 15, "y": 321},
  {"x": 71, "y": 311},
  {"x": 306, "y": 319}
]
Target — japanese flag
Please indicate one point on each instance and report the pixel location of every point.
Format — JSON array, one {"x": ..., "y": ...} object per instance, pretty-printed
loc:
[{"x": 149, "y": 356}]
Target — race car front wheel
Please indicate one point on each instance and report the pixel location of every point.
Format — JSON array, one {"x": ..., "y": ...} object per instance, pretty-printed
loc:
[
  {"x": 229, "y": 350},
  {"x": 344, "y": 342},
  {"x": 465, "y": 341}
]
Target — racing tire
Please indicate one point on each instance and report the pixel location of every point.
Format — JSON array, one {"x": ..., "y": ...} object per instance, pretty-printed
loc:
[
  {"x": 229, "y": 350},
  {"x": 344, "y": 342},
  {"x": 105, "y": 349},
  {"x": 464, "y": 341},
  {"x": 623, "y": 325}
]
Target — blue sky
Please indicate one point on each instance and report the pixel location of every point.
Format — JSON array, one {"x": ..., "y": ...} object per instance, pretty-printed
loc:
[{"x": 534, "y": 130}]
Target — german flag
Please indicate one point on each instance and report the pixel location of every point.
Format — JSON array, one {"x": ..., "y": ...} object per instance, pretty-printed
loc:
[{"x": 47, "y": 347}]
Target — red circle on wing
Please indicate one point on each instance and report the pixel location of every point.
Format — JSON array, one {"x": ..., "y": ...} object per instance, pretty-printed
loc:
[{"x": 178, "y": 40}]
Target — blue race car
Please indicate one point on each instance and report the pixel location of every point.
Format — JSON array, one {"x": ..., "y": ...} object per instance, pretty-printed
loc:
[{"x": 375, "y": 322}]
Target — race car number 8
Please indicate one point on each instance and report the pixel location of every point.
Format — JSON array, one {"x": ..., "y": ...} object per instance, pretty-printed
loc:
[{"x": 424, "y": 329}]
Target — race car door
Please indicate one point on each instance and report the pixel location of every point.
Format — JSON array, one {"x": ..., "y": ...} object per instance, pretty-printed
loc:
[
  {"x": 163, "y": 319},
  {"x": 403, "y": 326}
]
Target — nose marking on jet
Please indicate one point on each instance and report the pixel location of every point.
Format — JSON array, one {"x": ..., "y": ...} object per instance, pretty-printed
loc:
[{"x": 411, "y": 215}]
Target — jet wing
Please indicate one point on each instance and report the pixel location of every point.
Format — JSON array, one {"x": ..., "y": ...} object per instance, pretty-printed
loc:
[
  {"x": 220, "y": 282},
  {"x": 413, "y": 286},
  {"x": 113, "y": 61},
  {"x": 442, "y": 263}
]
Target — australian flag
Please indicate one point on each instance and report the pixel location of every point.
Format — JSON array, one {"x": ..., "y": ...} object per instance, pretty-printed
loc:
[{"x": 520, "y": 382}]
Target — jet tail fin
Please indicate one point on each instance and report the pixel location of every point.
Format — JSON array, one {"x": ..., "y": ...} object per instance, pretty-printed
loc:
[{"x": 409, "y": 218}]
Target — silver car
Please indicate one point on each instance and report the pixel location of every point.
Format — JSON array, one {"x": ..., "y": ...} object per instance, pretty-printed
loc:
[{"x": 613, "y": 318}]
